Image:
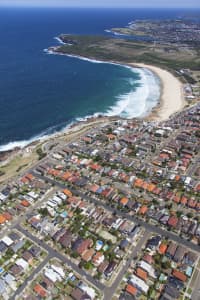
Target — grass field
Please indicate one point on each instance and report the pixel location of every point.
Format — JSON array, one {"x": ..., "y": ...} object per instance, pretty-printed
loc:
[
  {"x": 171, "y": 57},
  {"x": 17, "y": 165}
]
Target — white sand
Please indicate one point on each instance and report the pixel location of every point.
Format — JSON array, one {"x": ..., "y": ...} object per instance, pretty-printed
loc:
[{"x": 172, "y": 99}]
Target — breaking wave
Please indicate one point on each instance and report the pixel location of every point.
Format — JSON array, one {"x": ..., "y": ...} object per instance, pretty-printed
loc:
[
  {"x": 136, "y": 103},
  {"x": 140, "y": 101}
]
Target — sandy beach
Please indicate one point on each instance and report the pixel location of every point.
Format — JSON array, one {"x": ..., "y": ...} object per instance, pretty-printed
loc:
[{"x": 172, "y": 99}]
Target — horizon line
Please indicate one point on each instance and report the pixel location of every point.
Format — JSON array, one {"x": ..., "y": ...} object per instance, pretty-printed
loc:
[{"x": 97, "y": 7}]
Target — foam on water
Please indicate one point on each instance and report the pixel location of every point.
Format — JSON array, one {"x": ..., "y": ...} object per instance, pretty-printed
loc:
[
  {"x": 137, "y": 103},
  {"x": 50, "y": 132},
  {"x": 59, "y": 40}
]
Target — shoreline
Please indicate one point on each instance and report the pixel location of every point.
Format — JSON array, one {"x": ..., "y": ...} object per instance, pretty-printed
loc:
[
  {"x": 170, "y": 88},
  {"x": 29, "y": 152},
  {"x": 171, "y": 98},
  {"x": 40, "y": 138},
  {"x": 166, "y": 107}
]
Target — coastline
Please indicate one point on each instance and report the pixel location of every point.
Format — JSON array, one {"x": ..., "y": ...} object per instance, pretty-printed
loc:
[
  {"x": 171, "y": 89},
  {"x": 39, "y": 138},
  {"x": 171, "y": 98},
  {"x": 25, "y": 157}
]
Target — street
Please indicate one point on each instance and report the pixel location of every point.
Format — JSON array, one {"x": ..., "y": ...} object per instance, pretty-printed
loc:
[{"x": 147, "y": 226}]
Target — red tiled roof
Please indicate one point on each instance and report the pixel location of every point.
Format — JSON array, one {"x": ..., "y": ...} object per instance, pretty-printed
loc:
[
  {"x": 179, "y": 275},
  {"x": 142, "y": 274},
  {"x": 30, "y": 176},
  {"x": 176, "y": 199},
  {"x": 2, "y": 219},
  {"x": 124, "y": 201},
  {"x": 148, "y": 258},
  {"x": 173, "y": 220},
  {"x": 162, "y": 248},
  {"x": 184, "y": 200},
  {"x": 40, "y": 290},
  {"x": 7, "y": 216},
  {"x": 143, "y": 210},
  {"x": 25, "y": 203},
  {"x": 131, "y": 289},
  {"x": 67, "y": 192}
]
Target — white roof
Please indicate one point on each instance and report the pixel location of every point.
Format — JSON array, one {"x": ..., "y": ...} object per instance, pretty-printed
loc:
[
  {"x": 168, "y": 128},
  {"x": 33, "y": 195},
  {"x": 139, "y": 283},
  {"x": 7, "y": 241},
  {"x": 117, "y": 223},
  {"x": 90, "y": 291},
  {"x": 98, "y": 247},
  {"x": 160, "y": 131},
  {"x": 2, "y": 197},
  {"x": 52, "y": 204},
  {"x": 188, "y": 180},
  {"x": 172, "y": 176},
  {"x": 2, "y": 287},
  {"x": 22, "y": 263},
  {"x": 56, "y": 155},
  {"x": 147, "y": 267},
  {"x": 190, "y": 97},
  {"x": 57, "y": 199},
  {"x": 94, "y": 152},
  {"x": 28, "y": 198},
  {"x": 131, "y": 178},
  {"x": 51, "y": 211},
  {"x": 120, "y": 128},
  {"x": 166, "y": 150},
  {"x": 62, "y": 195},
  {"x": 53, "y": 276},
  {"x": 100, "y": 260},
  {"x": 85, "y": 161},
  {"x": 8, "y": 278},
  {"x": 58, "y": 270}
]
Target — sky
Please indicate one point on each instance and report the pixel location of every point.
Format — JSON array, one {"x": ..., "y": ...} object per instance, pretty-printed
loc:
[{"x": 104, "y": 3}]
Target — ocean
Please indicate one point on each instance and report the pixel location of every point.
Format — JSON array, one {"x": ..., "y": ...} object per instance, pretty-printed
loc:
[{"x": 41, "y": 93}]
